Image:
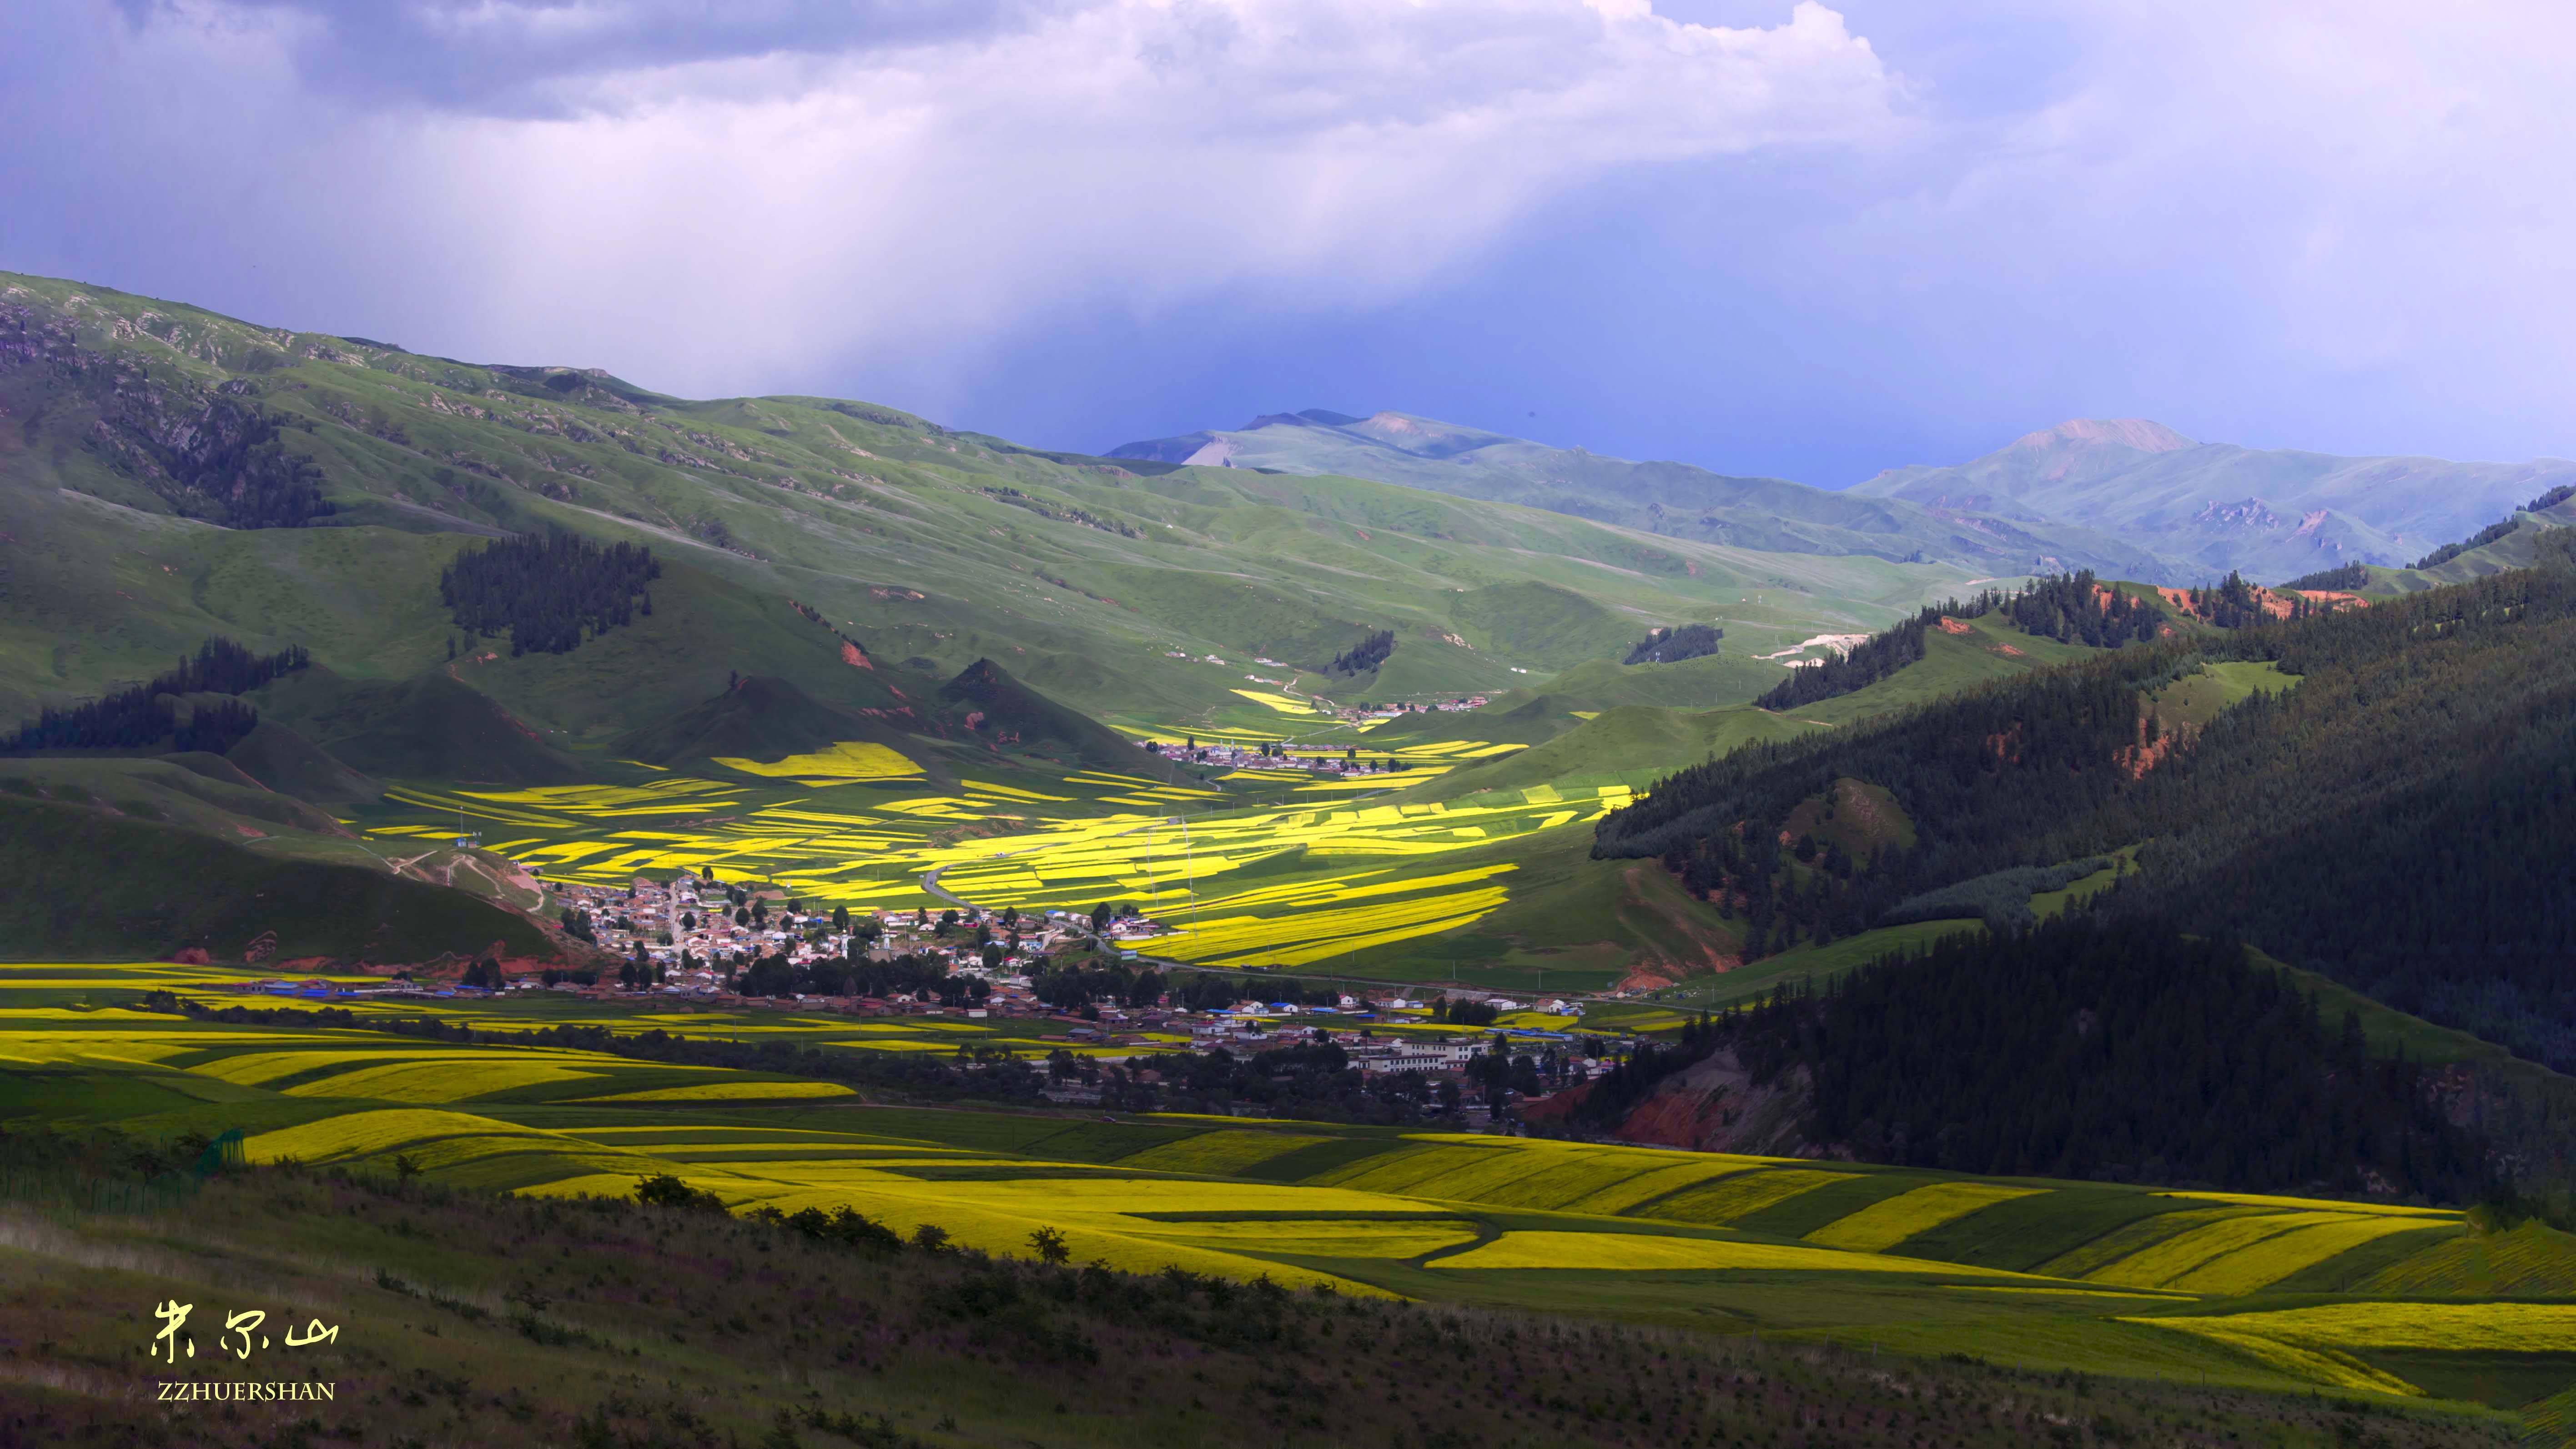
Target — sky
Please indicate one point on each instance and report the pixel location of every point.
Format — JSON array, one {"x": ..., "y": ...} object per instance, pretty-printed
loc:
[{"x": 1797, "y": 239}]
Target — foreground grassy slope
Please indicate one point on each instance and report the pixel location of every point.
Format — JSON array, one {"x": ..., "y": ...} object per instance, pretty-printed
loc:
[
  {"x": 2054, "y": 1276},
  {"x": 615, "y": 1323}
]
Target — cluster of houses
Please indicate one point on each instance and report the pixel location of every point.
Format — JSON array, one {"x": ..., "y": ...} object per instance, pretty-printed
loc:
[
  {"x": 690, "y": 931},
  {"x": 692, "y": 936}
]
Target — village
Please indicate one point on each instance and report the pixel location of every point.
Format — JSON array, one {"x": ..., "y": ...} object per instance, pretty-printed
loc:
[{"x": 704, "y": 941}]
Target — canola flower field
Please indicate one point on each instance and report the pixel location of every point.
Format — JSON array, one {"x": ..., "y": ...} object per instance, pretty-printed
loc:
[
  {"x": 1321, "y": 869},
  {"x": 2271, "y": 1292}
]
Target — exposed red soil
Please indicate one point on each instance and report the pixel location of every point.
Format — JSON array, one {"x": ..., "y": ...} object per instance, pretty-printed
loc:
[
  {"x": 1673, "y": 1120},
  {"x": 2272, "y": 602},
  {"x": 1955, "y": 626},
  {"x": 2137, "y": 759},
  {"x": 2006, "y": 746}
]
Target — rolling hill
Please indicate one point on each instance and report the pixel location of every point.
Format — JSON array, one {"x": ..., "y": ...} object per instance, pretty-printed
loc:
[
  {"x": 1671, "y": 499},
  {"x": 172, "y": 475},
  {"x": 2272, "y": 513},
  {"x": 2153, "y": 505}
]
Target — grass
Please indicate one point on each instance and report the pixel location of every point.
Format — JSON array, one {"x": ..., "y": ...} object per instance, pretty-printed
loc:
[
  {"x": 2197, "y": 698},
  {"x": 89, "y": 885}
]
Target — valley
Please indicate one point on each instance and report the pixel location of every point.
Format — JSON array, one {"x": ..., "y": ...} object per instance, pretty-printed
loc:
[{"x": 1212, "y": 914}]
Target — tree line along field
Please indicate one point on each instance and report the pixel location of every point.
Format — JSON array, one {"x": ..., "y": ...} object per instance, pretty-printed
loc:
[{"x": 2260, "y": 1293}]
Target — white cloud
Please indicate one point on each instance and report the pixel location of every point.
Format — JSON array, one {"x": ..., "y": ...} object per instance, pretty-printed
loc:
[
  {"x": 730, "y": 222},
  {"x": 2343, "y": 223}
]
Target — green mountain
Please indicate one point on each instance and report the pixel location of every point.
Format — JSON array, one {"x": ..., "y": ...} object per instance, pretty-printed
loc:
[
  {"x": 2271, "y": 513},
  {"x": 172, "y": 475},
  {"x": 1674, "y": 500}
]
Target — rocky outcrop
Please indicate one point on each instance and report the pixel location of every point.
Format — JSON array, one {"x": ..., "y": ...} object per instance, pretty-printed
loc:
[{"x": 1715, "y": 1106}]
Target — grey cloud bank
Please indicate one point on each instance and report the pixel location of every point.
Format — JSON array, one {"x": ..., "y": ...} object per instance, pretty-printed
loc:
[{"x": 1807, "y": 241}]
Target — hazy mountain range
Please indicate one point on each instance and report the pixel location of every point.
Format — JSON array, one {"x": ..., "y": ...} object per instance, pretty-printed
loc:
[{"x": 2153, "y": 504}]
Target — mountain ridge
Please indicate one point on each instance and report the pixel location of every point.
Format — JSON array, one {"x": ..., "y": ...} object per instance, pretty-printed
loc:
[
  {"x": 1669, "y": 499},
  {"x": 2270, "y": 513},
  {"x": 2153, "y": 504}
]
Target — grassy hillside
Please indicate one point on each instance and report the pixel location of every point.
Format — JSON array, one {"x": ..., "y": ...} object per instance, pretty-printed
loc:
[
  {"x": 928, "y": 549},
  {"x": 90, "y": 884},
  {"x": 1630, "y": 744}
]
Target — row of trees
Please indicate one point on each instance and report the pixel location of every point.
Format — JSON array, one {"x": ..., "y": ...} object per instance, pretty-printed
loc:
[
  {"x": 1672, "y": 646},
  {"x": 548, "y": 592},
  {"x": 2077, "y": 608},
  {"x": 150, "y": 715},
  {"x": 1366, "y": 655},
  {"x": 2070, "y": 608},
  {"x": 2342, "y": 576},
  {"x": 1311, "y": 1081}
]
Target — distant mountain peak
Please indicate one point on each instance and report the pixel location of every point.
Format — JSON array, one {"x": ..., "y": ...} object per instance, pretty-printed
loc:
[
  {"x": 1310, "y": 417},
  {"x": 2143, "y": 434}
]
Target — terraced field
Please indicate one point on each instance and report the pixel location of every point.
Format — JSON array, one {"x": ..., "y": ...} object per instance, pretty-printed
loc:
[{"x": 2279, "y": 1293}]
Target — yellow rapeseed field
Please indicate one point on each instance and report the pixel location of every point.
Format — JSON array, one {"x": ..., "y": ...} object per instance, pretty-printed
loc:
[
  {"x": 844, "y": 762},
  {"x": 2256, "y": 1199},
  {"x": 1883, "y": 1225},
  {"x": 1639, "y": 1252},
  {"x": 449, "y": 1080},
  {"x": 356, "y": 1134},
  {"x": 2080, "y": 1262},
  {"x": 1218, "y": 1154},
  {"x": 2276, "y": 1258},
  {"x": 730, "y": 1092},
  {"x": 1742, "y": 1195},
  {"x": 1306, "y": 1238},
  {"x": 2159, "y": 1265}
]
